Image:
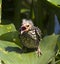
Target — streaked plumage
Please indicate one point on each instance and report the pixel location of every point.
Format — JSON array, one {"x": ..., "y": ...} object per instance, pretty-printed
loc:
[{"x": 29, "y": 34}]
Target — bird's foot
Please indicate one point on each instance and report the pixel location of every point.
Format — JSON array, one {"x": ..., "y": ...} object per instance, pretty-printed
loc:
[{"x": 38, "y": 52}]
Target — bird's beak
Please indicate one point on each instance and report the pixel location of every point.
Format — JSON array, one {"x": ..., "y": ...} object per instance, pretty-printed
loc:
[
  {"x": 23, "y": 28},
  {"x": 22, "y": 32}
]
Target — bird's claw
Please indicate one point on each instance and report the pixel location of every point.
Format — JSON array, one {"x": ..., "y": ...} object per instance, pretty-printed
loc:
[{"x": 38, "y": 52}]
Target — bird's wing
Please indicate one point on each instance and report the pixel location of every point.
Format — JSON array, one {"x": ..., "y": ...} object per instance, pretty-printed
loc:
[{"x": 38, "y": 33}]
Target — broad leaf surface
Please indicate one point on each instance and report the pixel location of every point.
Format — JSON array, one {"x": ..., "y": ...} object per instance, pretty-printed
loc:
[{"x": 11, "y": 53}]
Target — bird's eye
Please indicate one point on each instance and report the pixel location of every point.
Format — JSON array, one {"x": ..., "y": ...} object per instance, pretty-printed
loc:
[{"x": 27, "y": 25}]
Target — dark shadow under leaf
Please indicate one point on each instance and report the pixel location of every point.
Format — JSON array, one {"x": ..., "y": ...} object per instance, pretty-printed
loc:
[
  {"x": 19, "y": 50},
  {"x": 14, "y": 49}
]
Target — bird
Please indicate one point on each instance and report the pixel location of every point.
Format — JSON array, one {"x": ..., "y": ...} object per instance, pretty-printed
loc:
[{"x": 30, "y": 35}]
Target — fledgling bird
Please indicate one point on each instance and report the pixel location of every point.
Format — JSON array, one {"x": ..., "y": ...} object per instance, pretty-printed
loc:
[{"x": 30, "y": 35}]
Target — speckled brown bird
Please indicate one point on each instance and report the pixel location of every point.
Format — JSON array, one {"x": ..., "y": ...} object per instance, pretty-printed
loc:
[{"x": 30, "y": 35}]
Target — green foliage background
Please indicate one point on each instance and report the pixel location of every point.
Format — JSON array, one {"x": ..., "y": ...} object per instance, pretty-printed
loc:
[{"x": 42, "y": 12}]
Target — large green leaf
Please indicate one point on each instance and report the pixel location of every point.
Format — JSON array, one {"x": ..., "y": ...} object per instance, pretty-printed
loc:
[
  {"x": 9, "y": 33},
  {"x": 55, "y": 2},
  {"x": 10, "y": 52}
]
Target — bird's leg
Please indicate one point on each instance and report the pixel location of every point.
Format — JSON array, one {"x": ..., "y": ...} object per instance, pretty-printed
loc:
[{"x": 38, "y": 51}]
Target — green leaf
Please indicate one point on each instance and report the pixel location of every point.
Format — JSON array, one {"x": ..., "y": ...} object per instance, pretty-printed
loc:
[
  {"x": 55, "y": 2},
  {"x": 9, "y": 33},
  {"x": 11, "y": 53},
  {"x": 7, "y": 28},
  {"x": 58, "y": 42},
  {"x": 24, "y": 10},
  {"x": 48, "y": 46}
]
